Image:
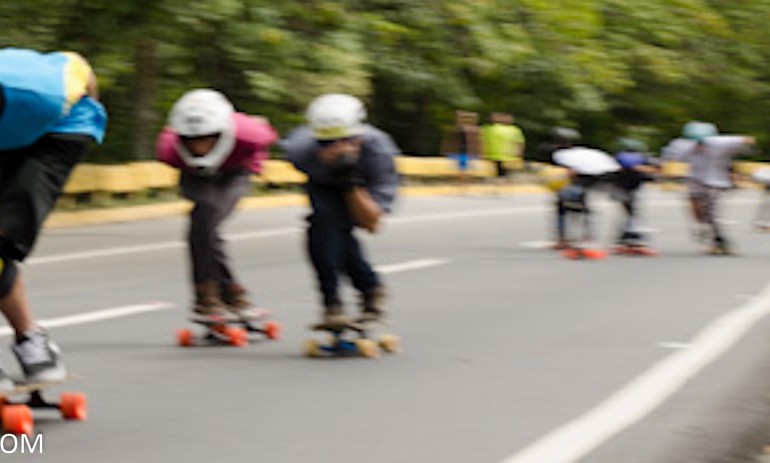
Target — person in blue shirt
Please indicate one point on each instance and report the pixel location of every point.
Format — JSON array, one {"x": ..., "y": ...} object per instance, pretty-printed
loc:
[
  {"x": 49, "y": 114},
  {"x": 636, "y": 169},
  {"x": 352, "y": 182}
]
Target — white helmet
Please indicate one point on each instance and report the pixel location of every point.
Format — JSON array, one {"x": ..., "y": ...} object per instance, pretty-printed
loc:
[
  {"x": 200, "y": 113},
  {"x": 335, "y": 115}
]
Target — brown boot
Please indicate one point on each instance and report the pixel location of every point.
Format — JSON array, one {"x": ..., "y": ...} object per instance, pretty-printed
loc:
[
  {"x": 334, "y": 315},
  {"x": 373, "y": 304},
  {"x": 236, "y": 299},
  {"x": 208, "y": 303}
]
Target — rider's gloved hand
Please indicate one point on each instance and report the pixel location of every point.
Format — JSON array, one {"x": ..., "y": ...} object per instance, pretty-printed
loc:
[{"x": 346, "y": 172}]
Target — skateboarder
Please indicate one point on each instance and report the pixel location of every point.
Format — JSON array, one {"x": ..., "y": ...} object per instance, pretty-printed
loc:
[
  {"x": 217, "y": 150},
  {"x": 636, "y": 168},
  {"x": 352, "y": 182},
  {"x": 49, "y": 115},
  {"x": 570, "y": 196},
  {"x": 709, "y": 155}
]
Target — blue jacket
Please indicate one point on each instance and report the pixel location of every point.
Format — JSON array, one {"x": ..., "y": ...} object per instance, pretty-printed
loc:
[{"x": 43, "y": 93}]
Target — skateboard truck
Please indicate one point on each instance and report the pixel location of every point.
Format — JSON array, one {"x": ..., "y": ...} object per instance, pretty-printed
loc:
[
  {"x": 343, "y": 344},
  {"x": 234, "y": 332},
  {"x": 17, "y": 416}
]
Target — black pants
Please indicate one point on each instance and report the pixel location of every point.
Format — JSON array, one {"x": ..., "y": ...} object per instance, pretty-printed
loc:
[
  {"x": 31, "y": 180},
  {"x": 332, "y": 247}
]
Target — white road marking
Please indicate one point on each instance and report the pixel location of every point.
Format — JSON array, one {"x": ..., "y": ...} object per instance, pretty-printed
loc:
[
  {"x": 117, "y": 251},
  {"x": 118, "y": 312},
  {"x": 673, "y": 345},
  {"x": 537, "y": 244},
  {"x": 411, "y": 265},
  {"x": 97, "y": 316},
  {"x": 105, "y": 253},
  {"x": 644, "y": 394},
  {"x": 467, "y": 214},
  {"x": 109, "y": 252}
]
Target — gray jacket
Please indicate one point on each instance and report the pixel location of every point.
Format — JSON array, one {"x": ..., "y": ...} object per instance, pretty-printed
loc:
[{"x": 376, "y": 163}]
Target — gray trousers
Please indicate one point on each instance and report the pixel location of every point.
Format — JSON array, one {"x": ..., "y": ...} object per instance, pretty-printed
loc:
[{"x": 214, "y": 200}]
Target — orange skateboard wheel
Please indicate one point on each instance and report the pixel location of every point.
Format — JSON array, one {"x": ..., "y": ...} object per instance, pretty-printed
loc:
[
  {"x": 184, "y": 338},
  {"x": 73, "y": 406},
  {"x": 237, "y": 336},
  {"x": 17, "y": 419},
  {"x": 273, "y": 330},
  {"x": 595, "y": 254}
]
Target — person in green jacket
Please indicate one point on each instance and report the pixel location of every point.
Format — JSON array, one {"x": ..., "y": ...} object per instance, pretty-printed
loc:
[{"x": 503, "y": 142}]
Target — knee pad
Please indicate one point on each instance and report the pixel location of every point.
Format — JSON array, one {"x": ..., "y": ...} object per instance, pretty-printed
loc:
[{"x": 8, "y": 273}]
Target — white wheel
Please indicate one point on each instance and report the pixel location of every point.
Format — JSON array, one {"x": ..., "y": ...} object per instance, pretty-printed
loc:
[
  {"x": 367, "y": 348},
  {"x": 312, "y": 348},
  {"x": 390, "y": 343}
]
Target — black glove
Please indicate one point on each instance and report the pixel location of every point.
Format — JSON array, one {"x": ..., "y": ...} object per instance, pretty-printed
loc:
[{"x": 346, "y": 173}]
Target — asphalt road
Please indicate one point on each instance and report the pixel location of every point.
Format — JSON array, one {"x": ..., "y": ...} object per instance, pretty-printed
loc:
[{"x": 511, "y": 353}]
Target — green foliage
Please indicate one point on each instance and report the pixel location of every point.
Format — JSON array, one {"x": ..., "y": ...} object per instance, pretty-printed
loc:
[{"x": 610, "y": 67}]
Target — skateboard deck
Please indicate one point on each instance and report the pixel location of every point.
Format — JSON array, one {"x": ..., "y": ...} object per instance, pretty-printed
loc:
[
  {"x": 633, "y": 250},
  {"x": 17, "y": 416},
  {"x": 583, "y": 253},
  {"x": 351, "y": 339},
  {"x": 230, "y": 331},
  {"x": 719, "y": 251}
]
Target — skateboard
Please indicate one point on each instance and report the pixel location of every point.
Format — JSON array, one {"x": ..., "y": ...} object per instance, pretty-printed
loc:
[
  {"x": 580, "y": 252},
  {"x": 717, "y": 250},
  {"x": 625, "y": 249},
  {"x": 233, "y": 332},
  {"x": 16, "y": 415},
  {"x": 351, "y": 339}
]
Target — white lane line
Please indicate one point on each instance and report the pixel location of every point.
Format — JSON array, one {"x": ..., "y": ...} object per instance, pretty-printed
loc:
[
  {"x": 154, "y": 247},
  {"x": 104, "y": 253},
  {"x": 411, "y": 265},
  {"x": 118, "y": 312},
  {"x": 673, "y": 345},
  {"x": 118, "y": 251},
  {"x": 97, "y": 316},
  {"x": 467, "y": 214},
  {"x": 537, "y": 244},
  {"x": 644, "y": 394},
  {"x": 292, "y": 230}
]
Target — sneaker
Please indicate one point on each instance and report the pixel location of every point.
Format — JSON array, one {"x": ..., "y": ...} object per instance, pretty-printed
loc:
[
  {"x": 372, "y": 305},
  {"x": 208, "y": 304},
  {"x": 6, "y": 383},
  {"x": 39, "y": 358}
]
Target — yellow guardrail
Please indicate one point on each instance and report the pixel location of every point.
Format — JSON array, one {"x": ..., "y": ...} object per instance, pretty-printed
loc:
[{"x": 102, "y": 181}]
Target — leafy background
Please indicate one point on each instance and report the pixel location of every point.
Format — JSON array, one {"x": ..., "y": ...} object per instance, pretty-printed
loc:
[{"x": 607, "y": 67}]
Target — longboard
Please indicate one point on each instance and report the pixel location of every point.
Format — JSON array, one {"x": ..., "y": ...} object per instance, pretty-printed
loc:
[
  {"x": 351, "y": 339},
  {"x": 633, "y": 250},
  {"x": 17, "y": 416},
  {"x": 230, "y": 331},
  {"x": 578, "y": 252}
]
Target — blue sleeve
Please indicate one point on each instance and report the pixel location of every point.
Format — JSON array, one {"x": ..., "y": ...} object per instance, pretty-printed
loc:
[{"x": 87, "y": 117}]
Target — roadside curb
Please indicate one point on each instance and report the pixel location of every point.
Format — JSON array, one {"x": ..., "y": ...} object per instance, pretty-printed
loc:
[{"x": 65, "y": 219}]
